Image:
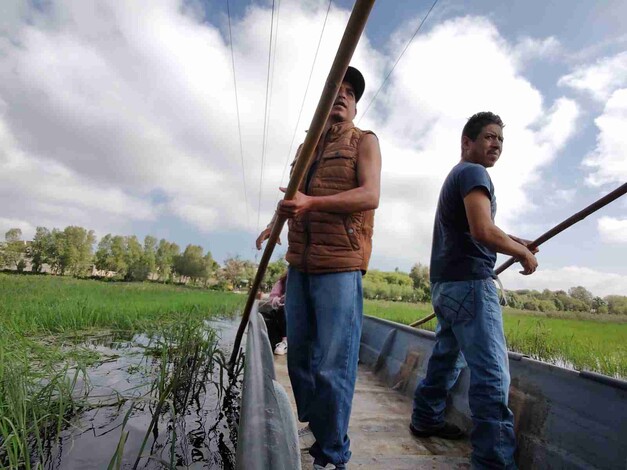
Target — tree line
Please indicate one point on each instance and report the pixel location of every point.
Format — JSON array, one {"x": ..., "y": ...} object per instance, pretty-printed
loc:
[
  {"x": 71, "y": 252},
  {"x": 118, "y": 257},
  {"x": 415, "y": 287}
]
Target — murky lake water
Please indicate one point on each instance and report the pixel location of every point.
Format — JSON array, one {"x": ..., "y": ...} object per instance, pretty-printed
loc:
[{"x": 202, "y": 432}]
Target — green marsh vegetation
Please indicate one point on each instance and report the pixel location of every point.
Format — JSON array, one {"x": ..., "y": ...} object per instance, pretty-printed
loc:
[
  {"x": 43, "y": 366},
  {"x": 582, "y": 341}
]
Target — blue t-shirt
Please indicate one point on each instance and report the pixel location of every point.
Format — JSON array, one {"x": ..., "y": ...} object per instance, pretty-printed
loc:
[{"x": 455, "y": 255}]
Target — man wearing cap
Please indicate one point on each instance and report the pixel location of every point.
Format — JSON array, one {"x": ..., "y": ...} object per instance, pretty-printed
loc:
[{"x": 330, "y": 223}]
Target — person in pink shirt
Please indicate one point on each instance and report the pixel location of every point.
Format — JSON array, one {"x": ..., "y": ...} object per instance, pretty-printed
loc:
[{"x": 273, "y": 310}]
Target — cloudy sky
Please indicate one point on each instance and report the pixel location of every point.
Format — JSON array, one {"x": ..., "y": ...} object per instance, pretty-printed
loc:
[{"x": 121, "y": 117}]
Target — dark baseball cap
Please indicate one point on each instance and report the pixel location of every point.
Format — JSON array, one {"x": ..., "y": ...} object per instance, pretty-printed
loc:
[{"x": 355, "y": 78}]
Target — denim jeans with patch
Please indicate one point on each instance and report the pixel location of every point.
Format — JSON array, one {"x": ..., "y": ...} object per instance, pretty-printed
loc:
[
  {"x": 324, "y": 319},
  {"x": 470, "y": 330}
]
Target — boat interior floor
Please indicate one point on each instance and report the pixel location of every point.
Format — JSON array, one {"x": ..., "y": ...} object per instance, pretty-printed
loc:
[{"x": 379, "y": 430}]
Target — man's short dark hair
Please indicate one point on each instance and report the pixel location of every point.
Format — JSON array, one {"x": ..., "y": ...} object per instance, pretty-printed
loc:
[{"x": 476, "y": 123}]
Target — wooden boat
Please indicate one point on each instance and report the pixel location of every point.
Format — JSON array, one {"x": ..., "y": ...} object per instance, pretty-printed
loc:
[{"x": 564, "y": 419}]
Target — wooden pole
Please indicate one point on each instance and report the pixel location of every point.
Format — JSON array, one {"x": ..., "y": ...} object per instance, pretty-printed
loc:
[
  {"x": 572, "y": 220},
  {"x": 354, "y": 29}
]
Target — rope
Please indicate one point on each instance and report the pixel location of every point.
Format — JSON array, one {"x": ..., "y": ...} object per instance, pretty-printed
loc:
[
  {"x": 265, "y": 117},
  {"x": 239, "y": 126},
  {"x": 397, "y": 60},
  {"x": 289, "y": 154}
]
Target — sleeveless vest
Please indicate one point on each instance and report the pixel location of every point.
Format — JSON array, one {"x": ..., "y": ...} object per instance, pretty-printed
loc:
[{"x": 325, "y": 242}]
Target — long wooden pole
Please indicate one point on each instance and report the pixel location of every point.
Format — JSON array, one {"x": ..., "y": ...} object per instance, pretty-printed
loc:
[
  {"x": 572, "y": 220},
  {"x": 354, "y": 29}
]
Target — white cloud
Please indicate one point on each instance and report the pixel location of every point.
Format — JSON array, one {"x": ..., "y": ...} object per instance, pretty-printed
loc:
[
  {"x": 28, "y": 231},
  {"x": 608, "y": 161},
  {"x": 103, "y": 107},
  {"x": 597, "y": 282},
  {"x": 529, "y": 48},
  {"x": 613, "y": 230},
  {"x": 562, "y": 196},
  {"x": 420, "y": 115},
  {"x": 134, "y": 99},
  {"x": 601, "y": 78},
  {"x": 36, "y": 191}
]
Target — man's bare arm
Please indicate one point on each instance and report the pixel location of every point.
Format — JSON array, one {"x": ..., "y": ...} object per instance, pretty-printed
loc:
[
  {"x": 482, "y": 229},
  {"x": 365, "y": 197},
  {"x": 524, "y": 242}
]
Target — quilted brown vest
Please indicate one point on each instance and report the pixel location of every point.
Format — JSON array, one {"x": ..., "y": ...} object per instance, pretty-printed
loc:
[{"x": 325, "y": 242}]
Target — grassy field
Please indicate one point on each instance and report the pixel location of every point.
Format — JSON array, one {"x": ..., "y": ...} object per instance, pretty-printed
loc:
[
  {"x": 597, "y": 343},
  {"x": 51, "y": 304}
]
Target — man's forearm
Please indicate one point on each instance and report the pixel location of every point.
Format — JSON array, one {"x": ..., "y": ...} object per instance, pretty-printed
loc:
[
  {"x": 497, "y": 240},
  {"x": 346, "y": 202}
]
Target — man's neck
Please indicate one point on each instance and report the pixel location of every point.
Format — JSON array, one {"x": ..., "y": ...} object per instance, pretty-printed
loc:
[
  {"x": 468, "y": 160},
  {"x": 330, "y": 123}
]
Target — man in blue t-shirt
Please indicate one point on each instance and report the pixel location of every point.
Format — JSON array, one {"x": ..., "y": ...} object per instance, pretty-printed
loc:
[{"x": 466, "y": 302}]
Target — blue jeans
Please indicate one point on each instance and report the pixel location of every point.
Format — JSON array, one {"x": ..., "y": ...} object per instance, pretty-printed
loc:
[
  {"x": 324, "y": 318},
  {"x": 470, "y": 322}
]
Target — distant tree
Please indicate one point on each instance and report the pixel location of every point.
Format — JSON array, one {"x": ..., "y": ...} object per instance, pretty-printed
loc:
[
  {"x": 559, "y": 305},
  {"x": 14, "y": 248},
  {"x": 103, "y": 259},
  {"x": 531, "y": 304},
  {"x": 238, "y": 272},
  {"x": 150, "y": 253},
  {"x": 57, "y": 242},
  {"x": 616, "y": 304},
  {"x": 41, "y": 249},
  {"x": 211, "y": 268},
  {"x": 21, "y": 265},
  {"x": 419, "y": 275},
  {"x": 582, "y": 294},
  {"x": 397, "y": 278},
  {"x": 119, "y": 257},
  {"x": 514, "y": 299},
  {"x": 76, "y": 252},
  {"x": 599, "y": 305},
  {"x": 191, "y": 263},
  {"x": 274, "y": 271},
  {"x": 164, "y": 259},
  {"x": 137, "y": 269},
  {"x": 545, "y": 305}
]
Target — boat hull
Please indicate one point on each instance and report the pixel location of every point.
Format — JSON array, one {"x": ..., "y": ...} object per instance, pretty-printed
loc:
[{"x": 563, "y": 418}]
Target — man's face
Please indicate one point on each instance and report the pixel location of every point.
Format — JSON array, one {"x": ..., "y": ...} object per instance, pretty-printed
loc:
[
  {"x": 486, "y": 149},
  {"x": 344, "y": 106}
]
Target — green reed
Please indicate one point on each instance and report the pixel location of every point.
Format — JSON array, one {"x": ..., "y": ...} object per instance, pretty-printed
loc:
[
  {"x": 40, "y": 316},
  {"x": 36, "y": 401},
  {"x": 188, "y": 361}
]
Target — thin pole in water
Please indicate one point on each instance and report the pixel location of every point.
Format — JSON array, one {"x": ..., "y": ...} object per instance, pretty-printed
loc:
[{"x": 354, "y": 29}]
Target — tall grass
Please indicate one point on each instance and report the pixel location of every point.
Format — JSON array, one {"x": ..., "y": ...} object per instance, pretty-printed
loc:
[
  {"x": 39, "y": 376},
  {"x": 188, "y": 361},
  {"x": 51, "y": 304},
  {"x": 36, "y": 399},
  {"x": 583, "y": 342}
]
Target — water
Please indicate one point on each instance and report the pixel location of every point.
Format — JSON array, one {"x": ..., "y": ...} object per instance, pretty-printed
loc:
[{"x": 193, "y": 429}]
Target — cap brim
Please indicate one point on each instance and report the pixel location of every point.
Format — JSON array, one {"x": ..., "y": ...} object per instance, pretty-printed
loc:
[{"x": 355, "y": 78}]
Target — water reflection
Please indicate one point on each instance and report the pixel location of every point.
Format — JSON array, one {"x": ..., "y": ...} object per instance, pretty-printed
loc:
[{"x": 195, "y": 427}]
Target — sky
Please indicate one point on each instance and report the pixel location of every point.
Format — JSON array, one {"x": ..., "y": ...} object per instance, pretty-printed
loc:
[{"x": 122, "y": 117}]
